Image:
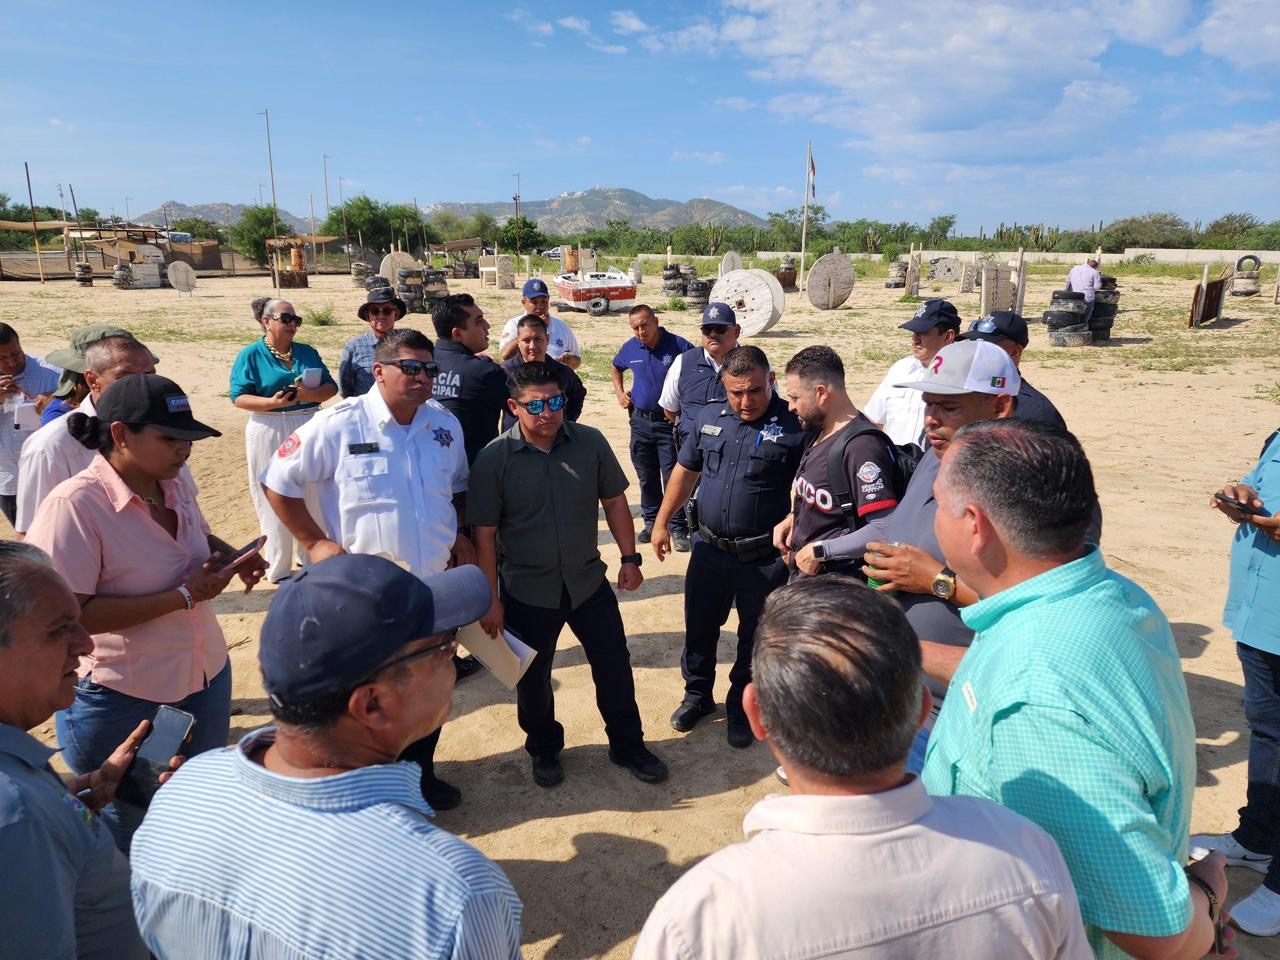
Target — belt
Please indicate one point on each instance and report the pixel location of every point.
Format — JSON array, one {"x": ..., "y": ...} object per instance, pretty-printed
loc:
[
  {"x": 657, "y": 416},
  {"x": 744, "y": 548}
]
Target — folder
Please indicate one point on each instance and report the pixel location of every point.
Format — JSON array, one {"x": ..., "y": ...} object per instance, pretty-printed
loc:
[{"x": 507, "y": 657}]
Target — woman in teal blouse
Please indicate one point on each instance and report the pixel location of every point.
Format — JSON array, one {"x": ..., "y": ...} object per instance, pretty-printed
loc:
[{"x": 281, "y": 383}]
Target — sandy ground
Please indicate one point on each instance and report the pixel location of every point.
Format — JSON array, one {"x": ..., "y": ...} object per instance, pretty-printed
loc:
[{"x": 1166, "y": 414}]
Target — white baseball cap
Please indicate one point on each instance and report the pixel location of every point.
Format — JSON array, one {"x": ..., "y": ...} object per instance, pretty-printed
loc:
[{"x": 969, "y": 366}]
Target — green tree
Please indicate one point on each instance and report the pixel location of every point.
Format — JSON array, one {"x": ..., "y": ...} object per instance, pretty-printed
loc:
[
  {"x": 449, "y": 225},
  {"x": 940, "y": 228},
  {"x": 521, "y": 234},
  {"x": 198, "y": 227},
  {"x": 482, "y": 225},
  {"x": 690, "y": 240},
  {"x": 1147, "y": 230},
  {"x": 257, "y": 225}
]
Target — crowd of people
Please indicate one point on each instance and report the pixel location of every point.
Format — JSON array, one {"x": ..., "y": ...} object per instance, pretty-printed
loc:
[{"x": 984, "y": 732}]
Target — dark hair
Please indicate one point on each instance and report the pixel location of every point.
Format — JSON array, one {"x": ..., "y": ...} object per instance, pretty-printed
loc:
[
  {"x": 532, "y": 320},
  {"x": 817, "y": 363},
  {"x": 1031, "y": 478},
  {"x": 7, "y": 333},
  {"x": 20, "y": 566},
  {"x": 741, "y": 361},
  {"x": 450, "y": 313},
  {"x": 401, "y": 338},
  {"x": 95, "y": 432},
  {"x": 257, "y": 305},
  {"x": 536, "y": 373},
  {"x": 837, "y": 673},
  {"x": 642, "y": 307},
  {"x": 313, "y": 716}
]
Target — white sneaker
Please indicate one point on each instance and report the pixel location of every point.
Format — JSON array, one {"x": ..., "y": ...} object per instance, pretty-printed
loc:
[
  {"x": 1258, "y": 913},
  {"x": 1202, "y": 844},
  {"x": 782, "y": 776}
]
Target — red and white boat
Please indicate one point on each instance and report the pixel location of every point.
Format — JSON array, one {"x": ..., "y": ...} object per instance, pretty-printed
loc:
[{"x": 597, "y": 293}]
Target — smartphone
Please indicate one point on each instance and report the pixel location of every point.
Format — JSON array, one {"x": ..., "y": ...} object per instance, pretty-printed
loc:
[
  {"x": 1240, "y": 505},
  {"x": 169, "y": 729},
  {"x": 241, "y": 555},
  {"x": 291, "y": 392}
]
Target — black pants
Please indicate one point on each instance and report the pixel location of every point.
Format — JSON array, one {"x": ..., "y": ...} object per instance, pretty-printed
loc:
[
  {"x": 715, "y": 581},
  {"x": 9, "y": 506},
  {"x": 653, "y": 454},
  {"x": 597, "y": 623},
  {"x": 423, "y": 753}
]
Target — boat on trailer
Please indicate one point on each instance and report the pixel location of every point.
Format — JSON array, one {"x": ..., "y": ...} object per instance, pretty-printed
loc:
[{"x": 597, "y": 292}]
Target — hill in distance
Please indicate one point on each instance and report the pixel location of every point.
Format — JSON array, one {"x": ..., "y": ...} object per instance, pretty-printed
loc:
[{"x": 215, "y": 212}]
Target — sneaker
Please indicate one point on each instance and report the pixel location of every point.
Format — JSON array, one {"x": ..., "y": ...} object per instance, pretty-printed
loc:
[
  {"x": 680, "y": 540},
  {"x": 441, "y": 795},
  {"x": 689, "y": 713},
  {"x": 739, "y": 732},
  {"x": 782, "y": 777},
  {"x": 547, "y": 771},
  {"x": 1226, "y": 844},
  {"x": 642, "y": 764},
  {"x": 645, "y": 535},
  {"x": 465, "y": 666},
  {"x": 1258, "y": 913}
]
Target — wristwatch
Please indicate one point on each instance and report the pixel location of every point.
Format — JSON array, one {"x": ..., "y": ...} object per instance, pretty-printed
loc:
[
  {"x": 632, "y": 558},
  {"x": 820, "y": 551},
  {"x": 944, "y": 584}
]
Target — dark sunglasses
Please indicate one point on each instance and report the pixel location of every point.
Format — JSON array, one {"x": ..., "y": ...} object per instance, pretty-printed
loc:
[
  {"x": 985, "y": 325},
  {"x": 411, "y": 368},
  {"x": 292, "y": 319},
  {"x": 449, "y": 645},
  {"x": 717, "y": 329},
  {"x": 556, "y": 403},
  {"x": 378, "y": 311}
]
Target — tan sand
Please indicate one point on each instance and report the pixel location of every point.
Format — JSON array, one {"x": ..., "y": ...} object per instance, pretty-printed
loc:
[{"x": 1166, "y": 414}]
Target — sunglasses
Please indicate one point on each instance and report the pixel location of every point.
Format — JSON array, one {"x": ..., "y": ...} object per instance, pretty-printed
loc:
[
  {"x": 450, "y": 645},
  {"x": 292, "y": 319},
  {"x": 985, "y": 325},
  {"x": 556, "y": 403},
  {"x": 379, "y": 311},
  {"x": 714, "y": 329},
  {"x": 411, "y": 368}
]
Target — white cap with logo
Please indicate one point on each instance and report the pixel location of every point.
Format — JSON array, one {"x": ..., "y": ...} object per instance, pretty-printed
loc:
[{"x": 969, "y": 366}]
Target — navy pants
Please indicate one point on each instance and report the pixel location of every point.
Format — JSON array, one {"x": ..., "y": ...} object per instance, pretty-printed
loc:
[
  {"x": 597, "y": 623},
  {"x": 714, "y": 583},
  {"x": 1259, "y": 828},
  {"x": 653, "y": 454}
]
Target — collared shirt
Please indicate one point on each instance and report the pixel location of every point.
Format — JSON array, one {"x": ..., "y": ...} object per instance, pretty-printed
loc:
[
  {"x": 55, "y": 410},
  {"x": 37, "y": 377},
  {"x": 355, "y": 366},
  {"x": 104, "y": 542},
  {"x": 474, "y": 389},
  {"x": 571, "y": 386},
  {"x": 1083, "y": 278},
  {"x": 546, "y": 506},
  {"x": 1070, "y": 708},
  {"x": 677, "y": 395},
  {"x": 385, "y": 489},
  {"x": 900, "y": 411},
  {"x": 1252, "y": 612},
  {"x": 258, "y": 373},
  {"x": 1034, "y": 405},
  {"x": 649, "y": 366},
  {"x": 66, "y": 888},
  {"x": 875, "y": 877},
  {"x": 288, "y": 868},
  {"x": 561, "y": 341},
  {"x": 746, "y": 468}
]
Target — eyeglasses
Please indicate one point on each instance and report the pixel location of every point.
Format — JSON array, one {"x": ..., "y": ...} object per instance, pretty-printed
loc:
[
  {"x": 378, "y": 311},
  {"x": 450, "y": 645},
  {"x": 411, "y": 368},
  {"x": 292, "y": 319},
  {"x": 556, "y": 403},
  {"x": 714, "y": 329}
]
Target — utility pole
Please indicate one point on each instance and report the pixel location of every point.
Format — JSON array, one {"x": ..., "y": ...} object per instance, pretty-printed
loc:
[
  {"x": 327, "y": 158},
  {"x": 66, "y": 247},
  {"x": 271, "y": 170},
  {"x": 260, "y": 186},
  {"x": 79, "y": 230},
  {"x": 315, "y": 263},
  {"x": 516, "y": 198},
  {"x": 34, "y": 233},
  {"x": 126, "y": 210}
]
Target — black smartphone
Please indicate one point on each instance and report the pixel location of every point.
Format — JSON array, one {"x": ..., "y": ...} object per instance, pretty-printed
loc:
[
  {"x": 241, "y": 555},
  {"x": 1240, "y": 505},
  {"x": 169, "y": 729}
]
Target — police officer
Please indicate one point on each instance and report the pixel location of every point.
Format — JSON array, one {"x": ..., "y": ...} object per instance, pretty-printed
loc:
[
  {"x": 391, "y": 474},
  {"x": 471, "y": 387},
  {"x": 1008, "y": 331},
  {"x": 746, "y": 451},
  {"x": 649, "y": 355},
  {"x": 693, "y": 381}
]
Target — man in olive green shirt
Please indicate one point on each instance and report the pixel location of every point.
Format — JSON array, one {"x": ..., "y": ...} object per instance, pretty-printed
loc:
[{"x": 533, "y": 497}]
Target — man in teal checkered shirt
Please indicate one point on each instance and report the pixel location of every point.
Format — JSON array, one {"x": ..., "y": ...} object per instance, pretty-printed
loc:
[{"x": 1070, "y": 706}]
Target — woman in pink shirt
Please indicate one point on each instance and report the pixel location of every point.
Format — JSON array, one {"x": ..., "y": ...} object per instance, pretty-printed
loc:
[{"x": 127, "y": 535}]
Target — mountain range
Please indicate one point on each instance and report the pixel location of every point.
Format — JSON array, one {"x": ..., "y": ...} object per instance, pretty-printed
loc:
[{"x": 566, "y": 215}]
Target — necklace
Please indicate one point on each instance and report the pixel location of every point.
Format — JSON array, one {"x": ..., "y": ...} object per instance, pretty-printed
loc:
[{"x": 285, "y": 358}]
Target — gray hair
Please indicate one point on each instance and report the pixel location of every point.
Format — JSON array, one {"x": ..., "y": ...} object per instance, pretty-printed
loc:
[
  {"x": 269, "y": 308},
  {"x": 20, "y": 567},
  {"x": 101, "y": 355}
]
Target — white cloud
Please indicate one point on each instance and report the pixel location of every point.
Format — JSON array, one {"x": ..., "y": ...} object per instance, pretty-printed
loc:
[
  {"x": 626, "y": 22},
  {"x": 611, "y": 48},
  {"x": 584, "y": 141},
  {"x": 714, "y": 158},
  {"x": 527, "y": 20},
  {"x": 1245, "y": 33},
  {"x": 59, "y": 124},
  {"x": 739, "y": 104},
  {"x": 576, "y": 24}
]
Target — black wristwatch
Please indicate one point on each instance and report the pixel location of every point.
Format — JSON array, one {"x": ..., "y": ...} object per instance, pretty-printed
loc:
[
  {"x": 820, "y": 551},
  {"x": 632, "y": 558}
]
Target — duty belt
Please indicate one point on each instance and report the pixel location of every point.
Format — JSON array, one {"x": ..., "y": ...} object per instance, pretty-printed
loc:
[
  {"x": 746, "y": 549},
  {"x": 657, "y": 416}
]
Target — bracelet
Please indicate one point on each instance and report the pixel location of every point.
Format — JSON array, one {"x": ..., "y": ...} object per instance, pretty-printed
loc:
[
  {"x": 189, "y": 600},
  {"x": 1214, "y": 905}
]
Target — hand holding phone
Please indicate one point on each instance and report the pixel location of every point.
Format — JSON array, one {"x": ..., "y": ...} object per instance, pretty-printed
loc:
[
  {"x": 241, "y": 556},
  {"x": 154, "y": 758},
  {"x": 1242, "y": 506}
]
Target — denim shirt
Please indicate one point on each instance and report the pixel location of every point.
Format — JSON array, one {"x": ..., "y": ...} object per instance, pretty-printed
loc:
[{"x": 1253, "y": 598}]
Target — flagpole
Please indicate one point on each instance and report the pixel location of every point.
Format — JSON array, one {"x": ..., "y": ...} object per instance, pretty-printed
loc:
[{"x": 804, "y": 224}]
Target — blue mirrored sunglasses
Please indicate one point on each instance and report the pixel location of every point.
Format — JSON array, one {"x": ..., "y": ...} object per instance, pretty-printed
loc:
[{"x": 556, "y": 403}]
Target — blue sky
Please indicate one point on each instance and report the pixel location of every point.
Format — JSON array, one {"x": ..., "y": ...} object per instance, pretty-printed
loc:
[{"x": 1062, "y": 112}]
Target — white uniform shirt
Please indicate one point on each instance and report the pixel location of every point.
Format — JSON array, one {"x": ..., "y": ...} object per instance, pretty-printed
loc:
[
  {"x": 900, "y": 411},
  {"x": 560, "y": 339},
  {"x": 385, "y": 489},
  {"x": 669, "y": 399},
  {"x": 876, "y": 877}
]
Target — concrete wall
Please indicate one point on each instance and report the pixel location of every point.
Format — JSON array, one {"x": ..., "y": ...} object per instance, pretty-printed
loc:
[{"x": 1036, "y": 256}]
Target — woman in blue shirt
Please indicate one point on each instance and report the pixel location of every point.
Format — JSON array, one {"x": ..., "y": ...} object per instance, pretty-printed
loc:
[{"x": 281, "y": 383}]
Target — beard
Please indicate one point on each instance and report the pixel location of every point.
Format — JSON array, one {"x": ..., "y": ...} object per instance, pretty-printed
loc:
[{"x": 812, "y": 423}]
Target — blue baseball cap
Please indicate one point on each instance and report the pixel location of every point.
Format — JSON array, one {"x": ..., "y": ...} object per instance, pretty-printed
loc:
[
  {"x": 332, "y": 624},
  {"x": 718, "y": 313},
  {"x": 534, "y": 288},
  {"x": 932, "y": 313}
]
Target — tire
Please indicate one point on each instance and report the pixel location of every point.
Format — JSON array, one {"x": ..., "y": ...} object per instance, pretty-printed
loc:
[
  {"x": 1247, "y": 274},
  {"x": 1257, "y": 263},
  {"x": 1108, "y": 296},
  {"x": 598, "y": 307},
  {"x": 1080, "y": 338},
  {"x": 1067, "y": 295},
  {"x": 1103, "y": 311},
  {"x": 1108, "y": 283}
]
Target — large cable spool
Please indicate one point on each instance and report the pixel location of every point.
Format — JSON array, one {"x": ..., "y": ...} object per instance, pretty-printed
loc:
[
  {"x": 394, "y": 262},
  {"x": 755, "y": 296},
  {"x": 732, "y": 260},
  {"x": 830, "y": 282}
]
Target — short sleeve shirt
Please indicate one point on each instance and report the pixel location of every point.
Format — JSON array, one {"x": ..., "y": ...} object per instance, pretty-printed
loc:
[
  {"x": 649, "y": 366},
  {"x": 36, "y": 378},
  {"x": 258, "y": 373},
  {"x": 1253, "y": 598},
  {"x": 545, "y": 506},
  {"x": 900, "y": 411},
  {"x": 1034, "y": 405},
  {"x": 561, "y": 341},
  {"x": 385, "y": 489},
  {"x": 474, "y": 389}
]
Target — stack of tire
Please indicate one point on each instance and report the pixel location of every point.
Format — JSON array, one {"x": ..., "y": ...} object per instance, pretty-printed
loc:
[
  {"x": 375, "y": 280},
  {"x": 434, "y": 286},
  {"x": 897, "y": 274},
  {"x": 84, "y": 274},
  {"x": 1245, "y": 283},
  {"x": 688, "y": 273},
  {"x": 1065, "y": 320},
  {"x": 787, "y": 274},
  {"x": 673, "y": 284},
  {"x": 359, "y": 272},
  {"x": 409, "y": 288},
  {"x": 122, "y": 276},
  {"x": 1105, "y": 305},
  {"x": 699, "y": 293}
]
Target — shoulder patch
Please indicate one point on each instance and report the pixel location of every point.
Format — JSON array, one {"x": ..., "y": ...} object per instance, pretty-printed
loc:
[
  {"x": 869, "y": 472},
  {"x": 289, "y": 447}
]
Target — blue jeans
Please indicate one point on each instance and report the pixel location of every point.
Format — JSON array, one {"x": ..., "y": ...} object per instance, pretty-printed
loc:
[
  {"x": 1259, "y": 828},
  {"x": 1088, "y": 311},
  {"x": 100, "y": 719},
  {"x": 653, "y": 454}
]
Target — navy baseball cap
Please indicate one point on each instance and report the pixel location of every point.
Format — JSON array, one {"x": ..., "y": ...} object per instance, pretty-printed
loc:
[
  {"x": 534, "y": 288},
  {"x": 332, "y": 624},
  {"x": 999, "y": 325},
  {"x": 718, "y": 313},
  {"x": 932, "y": 313}
]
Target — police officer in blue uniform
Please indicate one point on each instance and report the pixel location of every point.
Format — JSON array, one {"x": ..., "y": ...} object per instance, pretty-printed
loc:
[
  {"x": 693, "y": 382},
  {"x": 471, "y": 387},
  {"x": 746, "y": 451}
]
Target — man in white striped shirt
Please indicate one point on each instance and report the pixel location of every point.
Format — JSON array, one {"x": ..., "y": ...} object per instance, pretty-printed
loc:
[{"x": 309, "y": 839}]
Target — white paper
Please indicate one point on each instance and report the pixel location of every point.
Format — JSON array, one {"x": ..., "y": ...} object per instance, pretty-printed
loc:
[
  {"x": 506, "y": 657},
  {"x": 26, "y": 418}
]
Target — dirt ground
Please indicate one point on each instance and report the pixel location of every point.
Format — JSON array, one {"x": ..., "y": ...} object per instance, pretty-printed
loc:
[{"x": 1166, "y": 414}]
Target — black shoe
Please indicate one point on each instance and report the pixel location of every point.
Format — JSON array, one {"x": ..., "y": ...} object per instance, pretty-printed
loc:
[
  {"x": 642, "y": 764},
  {"x": 739, "y": 732},
  {"x": 441, "y": 795},
  {"x": 689, "y": 713},
  {"x": 466, "y": 666},
  {"x": 547, "y": 771},
  {"x": 680, "y": 540},
  {"x": 645, "y": 535}
]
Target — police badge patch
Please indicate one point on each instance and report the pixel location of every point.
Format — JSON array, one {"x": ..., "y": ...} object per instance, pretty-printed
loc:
[
  {"x": 771, "y": 432},
  {"x": 290, "y": 445},
  {"x": 442, "y": 436},
  {"x": 869, "y": 472}
]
